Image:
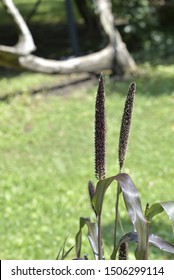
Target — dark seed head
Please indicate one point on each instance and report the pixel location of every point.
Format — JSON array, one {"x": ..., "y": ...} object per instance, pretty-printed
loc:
[
  {"x": 123, "y": 251},
  {"x": 100, "y": 131},
  {"x": 126, "y": 124},
  {"x": 91, "y": 190}
]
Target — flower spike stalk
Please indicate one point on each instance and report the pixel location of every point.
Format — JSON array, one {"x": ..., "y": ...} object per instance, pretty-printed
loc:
[
  {"x": 126, "y": 125},
  {"x": 123, "y": 145},
  {"x": 100, "y": 131},
  {"x": 100, "y": 137}
]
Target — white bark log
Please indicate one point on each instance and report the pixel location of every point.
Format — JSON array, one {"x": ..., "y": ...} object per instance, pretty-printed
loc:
[
  {"x": 122, "y": 57},
  {"x": 25, "y": 44},
  {"x": 88, "y": 63},
  {"x": 115, "y": 55}
]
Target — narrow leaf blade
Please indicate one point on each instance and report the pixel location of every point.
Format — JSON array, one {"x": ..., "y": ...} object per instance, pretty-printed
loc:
[
  {"x": 78, "y": 238},
  {"x": 159, "y": 207},
  {"x": 98, "y": 198},
  {"x": 160, "y": 243},
  {"x": 134, "y": 209},
  {"x": 154, "y": 241},
  {"x": 92, "y": 236},
  {"x": 132, "y": 203}
]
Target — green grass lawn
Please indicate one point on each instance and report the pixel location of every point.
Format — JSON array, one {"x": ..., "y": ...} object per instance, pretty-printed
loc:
[
  {"x": 46, "y": 145},
  {"x": 47, "y": 11}
]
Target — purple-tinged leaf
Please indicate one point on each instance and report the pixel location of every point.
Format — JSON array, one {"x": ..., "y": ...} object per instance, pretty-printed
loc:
[
  {"x": 160, "y": 243},
  {"x": 159, "y": 207},
  {"x": 132, "y": 203},
  {"x": 92, "y": 236},
  {"x": 154, "y": 241}
]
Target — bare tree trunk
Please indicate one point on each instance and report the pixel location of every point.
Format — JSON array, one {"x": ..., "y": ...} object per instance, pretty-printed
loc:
[
  {"x": 88, "y": 15},
  {"x": 123, "y": 61},
  {"x": 114, "y": 56}
]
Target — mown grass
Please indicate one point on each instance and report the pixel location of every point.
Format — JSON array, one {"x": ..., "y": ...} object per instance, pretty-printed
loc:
[
  {"x": 47, "y": 11},
  {"x": 46, "y": 145}
]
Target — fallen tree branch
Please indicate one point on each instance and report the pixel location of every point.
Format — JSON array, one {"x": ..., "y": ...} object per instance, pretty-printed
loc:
[
  {"x": 88, "y": 63},
  {"x": 25, "y": 44},
  {"x": 114, "y": 56},
  {"x": 123, "y": 60},
  {"x": 94, "y": 62}
]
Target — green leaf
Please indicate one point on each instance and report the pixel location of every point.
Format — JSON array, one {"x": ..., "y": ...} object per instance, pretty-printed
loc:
[
  {"x": 132, "y": 203},
  {"x": 79, "y": 237},
  {"x": 159, "y": 207},
  {"x": 67, "y": 253},
  {"x": 62, "y": 251},
  {"x": 154, "y": 241},
  {"x": 98, "y": 198},
  {"x": 92, "y": 236},
  {"x": 160, "y": 243}
]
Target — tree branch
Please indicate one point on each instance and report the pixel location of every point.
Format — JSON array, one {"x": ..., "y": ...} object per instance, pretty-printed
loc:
[
  {"x": 114, "y": 56},
  {"x": 123, "y": 60},
  {"x": 25, "y": 44}
]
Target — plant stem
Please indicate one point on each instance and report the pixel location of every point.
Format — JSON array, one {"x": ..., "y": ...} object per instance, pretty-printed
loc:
[
  {"x": 147, "y": 233},
  {"x": 99, "y": 238},
  {"x": 116, "y": 222},
  {"x": 147, "y": 241}
]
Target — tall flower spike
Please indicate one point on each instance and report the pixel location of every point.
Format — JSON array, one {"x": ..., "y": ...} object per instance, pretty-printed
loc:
[
  {"x": 100, "y": 131},
  {"x": 126, "y": 124}
]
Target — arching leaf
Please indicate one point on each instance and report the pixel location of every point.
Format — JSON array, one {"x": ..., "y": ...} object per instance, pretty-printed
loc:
[
  {"x": 159, "y": 207},
  {"x": 132, "y": 203},
  {"x": 92, "y": 236},
  {"x": 154, "y": 241},
  {"x": 160, "y": 243}
]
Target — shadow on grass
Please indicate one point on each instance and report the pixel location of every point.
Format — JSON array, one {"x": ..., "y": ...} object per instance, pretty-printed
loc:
[
  {"x": 151, "y": 81},
  {"x": 164, "y": 230}
]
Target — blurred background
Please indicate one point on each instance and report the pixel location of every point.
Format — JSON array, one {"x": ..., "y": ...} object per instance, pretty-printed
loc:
[{"x": 47, "y": 122}]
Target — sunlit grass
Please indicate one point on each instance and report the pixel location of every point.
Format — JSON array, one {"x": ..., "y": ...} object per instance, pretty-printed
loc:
[
  {"x": 46, "y": 145},
  {"x": 28, "y": 82},
  {"x": 48, "y": 11}
]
